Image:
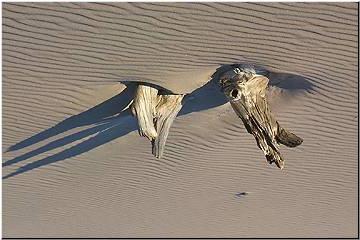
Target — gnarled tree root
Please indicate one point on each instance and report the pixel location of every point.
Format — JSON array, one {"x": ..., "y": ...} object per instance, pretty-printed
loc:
[{"x": 246, "y": 92}]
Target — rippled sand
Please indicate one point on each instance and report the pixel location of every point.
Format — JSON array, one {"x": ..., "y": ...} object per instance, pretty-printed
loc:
[{"x": 73, "y": 168}]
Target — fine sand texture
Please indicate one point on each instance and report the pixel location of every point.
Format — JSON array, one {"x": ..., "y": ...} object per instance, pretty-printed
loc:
[{"x": 75, "y": 166}]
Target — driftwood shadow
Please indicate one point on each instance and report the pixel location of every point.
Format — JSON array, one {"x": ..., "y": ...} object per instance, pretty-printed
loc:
[{"x": 109, "y": 120}]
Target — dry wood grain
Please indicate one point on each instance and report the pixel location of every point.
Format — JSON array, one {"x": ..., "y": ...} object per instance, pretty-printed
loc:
[
  {"x": 155, "y": 113},
  {"x": 246, "y": 92}
]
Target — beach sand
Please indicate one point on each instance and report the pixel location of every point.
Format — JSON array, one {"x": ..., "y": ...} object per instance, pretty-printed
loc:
[{"x": 74, "y": 167}]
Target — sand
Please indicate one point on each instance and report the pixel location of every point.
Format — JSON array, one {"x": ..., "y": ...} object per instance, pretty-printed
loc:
[{"x": 72, "y": 167}]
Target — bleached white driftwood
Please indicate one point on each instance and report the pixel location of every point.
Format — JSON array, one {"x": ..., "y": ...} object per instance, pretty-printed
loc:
[
  {"x": 155, "y": 112},
  {"x": 144, "y": 109},
  {"x": 246, "y": 92},
  {"x": 166, "y": 110}
]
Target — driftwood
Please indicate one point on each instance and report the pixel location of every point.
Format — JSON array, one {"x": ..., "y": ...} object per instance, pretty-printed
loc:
[
  {"x": 156, "y": 109},
  {"x": 246, "y": 92},
  {"x": 155, "y": 112}
]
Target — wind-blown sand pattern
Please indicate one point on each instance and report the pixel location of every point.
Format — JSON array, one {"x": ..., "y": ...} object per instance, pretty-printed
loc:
[{"x": 74, "y": 165}]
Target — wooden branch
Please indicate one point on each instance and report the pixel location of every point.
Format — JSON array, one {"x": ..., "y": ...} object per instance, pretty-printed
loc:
[
  {"x": 246, "y": 92},
  {"x": 155, "y": 113},
  {"x": 166, "y": 110},
  {"x": 144, "y": 109}
]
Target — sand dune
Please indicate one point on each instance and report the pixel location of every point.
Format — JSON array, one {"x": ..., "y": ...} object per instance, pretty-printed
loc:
[{"x": 74, "y": 166}]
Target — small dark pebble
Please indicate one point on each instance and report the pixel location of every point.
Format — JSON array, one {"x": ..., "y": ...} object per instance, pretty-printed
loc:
[{"x": 240, "y": 194}]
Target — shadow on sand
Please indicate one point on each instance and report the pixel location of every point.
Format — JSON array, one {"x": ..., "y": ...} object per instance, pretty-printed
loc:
[{"x": 110, "y": 120}]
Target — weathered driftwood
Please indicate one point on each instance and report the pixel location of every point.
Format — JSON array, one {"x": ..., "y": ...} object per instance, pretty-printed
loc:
[
  {"x": 155, "y": 112},
  {"x": 246, "y": 92},
  {"x": 143, "y": 108}
]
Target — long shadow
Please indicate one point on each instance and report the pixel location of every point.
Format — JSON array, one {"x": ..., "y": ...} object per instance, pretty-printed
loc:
[
  {"x": 64, "y": 141},
  {"x": 95, "y": 115},
  {"x": 109, "y": 120},
  {"x": 120, "y": 126}
]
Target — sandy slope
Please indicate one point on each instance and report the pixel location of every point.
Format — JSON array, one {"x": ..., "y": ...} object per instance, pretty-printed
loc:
[{"x": 76, "y": 170}]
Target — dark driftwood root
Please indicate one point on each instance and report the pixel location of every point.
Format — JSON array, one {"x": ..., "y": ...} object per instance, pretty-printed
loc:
[
  {"x": 155, "y": 113},
  {"x": 246, "y": 92}
]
